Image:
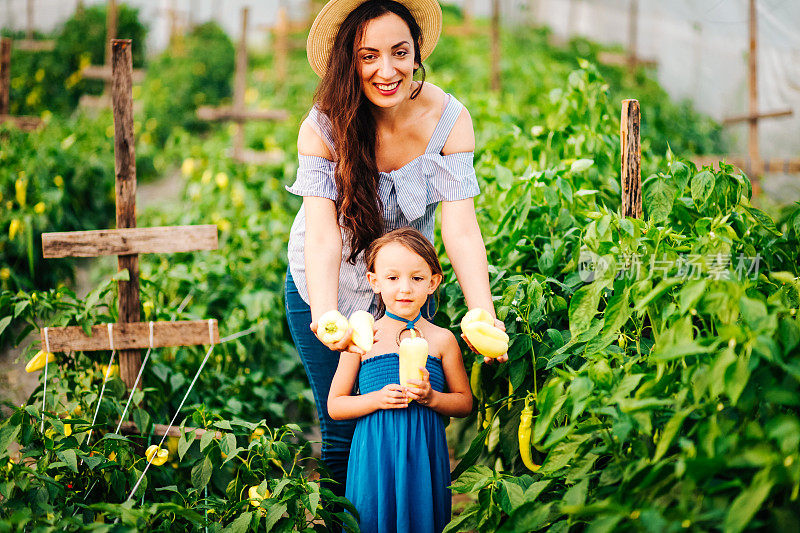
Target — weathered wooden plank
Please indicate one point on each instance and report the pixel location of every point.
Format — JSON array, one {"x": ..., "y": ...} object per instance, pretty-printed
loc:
[
  {"x": 132, "y": 336},
  {"x": 230, "y": 113},
  {"x": 757, "y": 116},
  {"x": 35, "y": 45},
  {"x": 622, "y": 60},
  {"x": 129, "y": 428},
  {"x": 125, "y": 171},
  {"x": 631, "y": 160},
  {"x": 787, "y": 166},
  {"x": 5, "y": 74},
  {"x": 259, "y": 158},
  {"x": 25, "y": 123},
  {"x": 102, "y": 72},
  {"x": 127, "y": 241}
]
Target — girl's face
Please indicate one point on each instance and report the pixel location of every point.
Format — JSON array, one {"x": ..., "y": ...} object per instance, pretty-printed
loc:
[
  {"x": 403, "y": 279},
  {"x": 385, "y": 59}
]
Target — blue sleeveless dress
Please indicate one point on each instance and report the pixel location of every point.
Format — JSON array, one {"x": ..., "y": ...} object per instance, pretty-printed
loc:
[{"x": 399, "y": 470}]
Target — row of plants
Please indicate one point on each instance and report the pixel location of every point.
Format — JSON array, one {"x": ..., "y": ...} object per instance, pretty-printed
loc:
[
  {"x": 657, "y": 358},
  {"x": 51, "y": 81},
  {"x": 548, "y": 192}
]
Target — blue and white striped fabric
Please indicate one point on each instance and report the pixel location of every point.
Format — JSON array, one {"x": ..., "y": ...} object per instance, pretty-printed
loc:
[{"x": 409, "y": 196}]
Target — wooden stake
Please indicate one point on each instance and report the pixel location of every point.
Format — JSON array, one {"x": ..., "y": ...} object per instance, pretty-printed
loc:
[
  {"x": 631, "y": 160},
  {"x": 281, "y": 45},
  {"x": 752, "y": 144},
  {"x": 29, "y": 25},
  {"x": 633, "y": 36},
  {"x": 125, "y": 169},
  {"x": 111, "y": 34},
  {"x": 240, "y": 84},
  {"x": 495, "y": 70},
  {"x": 5, "y": 75}
]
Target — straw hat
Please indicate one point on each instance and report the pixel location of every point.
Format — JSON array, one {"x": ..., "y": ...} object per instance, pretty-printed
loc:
[{"x": 427, "y": 13}]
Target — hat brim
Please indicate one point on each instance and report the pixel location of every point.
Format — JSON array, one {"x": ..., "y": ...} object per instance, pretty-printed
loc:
[{"x": 427, "y": 13}]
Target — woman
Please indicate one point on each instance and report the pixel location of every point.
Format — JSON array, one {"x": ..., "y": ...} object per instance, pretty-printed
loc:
[{"x": 378, "y": 151}]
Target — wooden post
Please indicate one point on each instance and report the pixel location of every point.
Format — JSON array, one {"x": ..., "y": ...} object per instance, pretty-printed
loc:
[
  {"x": 5, "y": 75},
  {"x": 29, "y": 23},
  {"x": 631, "y": 160},
  {"x": 469, "y": 12},
  {"x": 495, "y": 70},
  {"x": 633, "y": 36},
  {"x": 125, "y": 170},
  {"x": 111, "y": 34},
  {"x": 752, "y": 142},
  {"x": 571, "y": 19},
  {"x": 281, "y": 45},
  {"x": 239, "y": 85}
]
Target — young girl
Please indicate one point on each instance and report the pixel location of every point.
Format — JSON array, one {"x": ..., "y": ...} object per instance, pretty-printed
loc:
[{"x": 399, "y": 470}]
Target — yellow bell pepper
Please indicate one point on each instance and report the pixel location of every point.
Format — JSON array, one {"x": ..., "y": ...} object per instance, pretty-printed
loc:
[
  {"x": 256, "y": 497},
  {"x": 332, "y": 327},
  {"x": 157, "y": 456},
  {"x": 362, "y": 323},
  {"x": 39, "y": 360},
  {"x": 488, "y": 340},
  {"x": 413, "y": 354}
]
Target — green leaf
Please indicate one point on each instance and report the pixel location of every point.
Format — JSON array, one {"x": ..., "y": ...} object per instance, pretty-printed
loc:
[
  {"x": 69, "y": 457},
  {"x": 274, "y": 513},
  {"x": 511, "y": 496},
  {"x": 763, "y": 220},
  {"x": 658, "y": 199},
  {"x": 747, "y": 504},
  {"x": 472, "y": 454},
  {"x": 576, "y": 494},
  {"x": 702, "y": 186},
  {"x": 20, "y": 307},
  {"x": 4, "y": 322},
  {"x": 580, "y": 165},
  {"x": 668, "y": 434},
  {"x": 466, "y": 521},
  {"x": 205, "y": 439},
  {"x": 184, "y": 443},
  {"x": 7, "y": 435},
  {"x": 241, "y": 524},
  {"x": 528, "y": 517},
  {"x": 550, "y": 400},
  {"x": 201, "y": 473},
  {"x": 583, "y": 307}
]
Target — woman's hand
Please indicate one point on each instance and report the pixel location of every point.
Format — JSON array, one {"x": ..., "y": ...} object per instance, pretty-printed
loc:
[
  {"x": 421, "y": 392},
  {"x": 390, "y": 397},
  {"x": 488, "y": 360},
  {"x": 345, "y": 344}
]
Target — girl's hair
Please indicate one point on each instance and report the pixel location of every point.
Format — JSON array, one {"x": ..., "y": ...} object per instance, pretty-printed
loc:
[
  {"x": 411, "y": 239},
  {"x": 340, "y": 97}
]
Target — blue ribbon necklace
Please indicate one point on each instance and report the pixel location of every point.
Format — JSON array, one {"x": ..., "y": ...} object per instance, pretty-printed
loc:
[{"x": 410, "y": 324}]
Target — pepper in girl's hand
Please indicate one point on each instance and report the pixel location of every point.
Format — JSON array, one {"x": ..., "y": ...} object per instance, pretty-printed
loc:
[{"x": 488, "y": 340}]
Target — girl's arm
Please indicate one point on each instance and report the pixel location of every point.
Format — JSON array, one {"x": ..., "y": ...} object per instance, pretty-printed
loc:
[
  {"x": 457, "y": 402},
  {"x": 342, "y": 405}
]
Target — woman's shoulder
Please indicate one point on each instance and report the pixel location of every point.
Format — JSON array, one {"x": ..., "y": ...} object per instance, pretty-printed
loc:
[{"x": 313, "y": 138}]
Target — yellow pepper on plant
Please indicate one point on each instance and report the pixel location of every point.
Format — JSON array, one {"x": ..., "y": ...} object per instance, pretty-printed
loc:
[
  {"x": 155, "y": 455},
  {"x": 39, "y": 360}
]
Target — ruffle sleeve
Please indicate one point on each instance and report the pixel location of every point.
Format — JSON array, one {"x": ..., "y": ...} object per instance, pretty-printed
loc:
[
  {"x": 454, "y": 179},
  {"x": 314, "y": 178}
]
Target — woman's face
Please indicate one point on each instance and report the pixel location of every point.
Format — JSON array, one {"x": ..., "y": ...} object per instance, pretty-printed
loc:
[{"x": 386, "y": 60}]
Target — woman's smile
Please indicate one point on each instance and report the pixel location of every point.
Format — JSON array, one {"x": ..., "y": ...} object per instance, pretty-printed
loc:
[{"x": 387, "y": 89}]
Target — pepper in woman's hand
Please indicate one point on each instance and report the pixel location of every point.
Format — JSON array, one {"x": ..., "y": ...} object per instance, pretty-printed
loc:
[{"x": 332, "y": 327}]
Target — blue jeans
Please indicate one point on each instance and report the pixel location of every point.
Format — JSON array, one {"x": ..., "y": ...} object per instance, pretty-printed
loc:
[{"x": 320, "y": 364}]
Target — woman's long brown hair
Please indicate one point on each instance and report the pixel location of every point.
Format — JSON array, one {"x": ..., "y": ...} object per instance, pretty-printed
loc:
[{"x": 341, "y": 98}]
